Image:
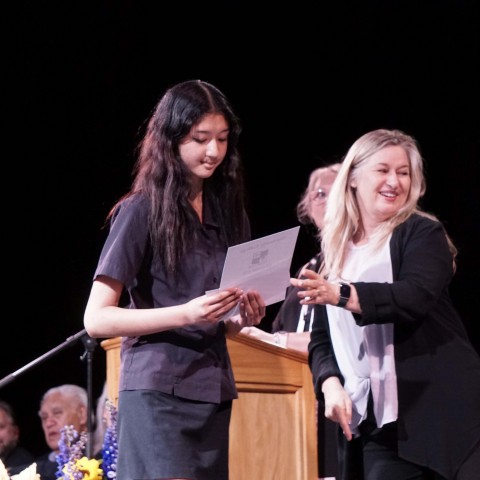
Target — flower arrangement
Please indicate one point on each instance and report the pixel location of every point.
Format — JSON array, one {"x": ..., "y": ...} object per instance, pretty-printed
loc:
[
  {"x": 72, "y": 463},
  {"x": 30, "y": 473},
  {"x": 110, "y": 443}
]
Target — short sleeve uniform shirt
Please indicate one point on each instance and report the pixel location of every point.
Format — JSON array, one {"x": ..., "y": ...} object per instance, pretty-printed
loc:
[{"x": 190, "y": 362}]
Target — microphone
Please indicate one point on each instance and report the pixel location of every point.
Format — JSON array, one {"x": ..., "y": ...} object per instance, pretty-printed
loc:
[{"x": 313, "y": 264}]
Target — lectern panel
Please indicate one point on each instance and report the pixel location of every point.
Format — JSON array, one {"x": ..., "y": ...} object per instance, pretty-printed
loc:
[{"x": 273, "y": 427}]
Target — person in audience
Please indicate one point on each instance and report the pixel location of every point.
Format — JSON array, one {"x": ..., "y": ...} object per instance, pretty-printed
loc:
[
  {"x": 101, "y": 422},
  {"x": 293, "y": 323},
  {"x": 14, "y": 456},
  {"x": 60, "y": 406},
  {"x": 292, "y": 318}
]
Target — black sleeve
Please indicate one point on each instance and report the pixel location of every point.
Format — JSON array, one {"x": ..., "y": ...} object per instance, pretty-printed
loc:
[
  {"x": 289, "y": 314},
  {"x": 422, "y": 270},
  {"x": 321, "y": 357}
]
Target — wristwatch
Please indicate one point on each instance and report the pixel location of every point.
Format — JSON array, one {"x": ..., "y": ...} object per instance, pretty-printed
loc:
[{"x": 345, "y": 290}]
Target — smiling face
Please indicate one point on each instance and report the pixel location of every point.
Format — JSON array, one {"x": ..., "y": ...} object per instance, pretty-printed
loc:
[
  {"x": 382, "y": 185},
  {"x": 205, "y": 146}
]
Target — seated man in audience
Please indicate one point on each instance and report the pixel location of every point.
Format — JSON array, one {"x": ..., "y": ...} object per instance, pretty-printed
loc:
[
  {"x": 60, "y": 406},
  {"x": 12, "y": 454}
]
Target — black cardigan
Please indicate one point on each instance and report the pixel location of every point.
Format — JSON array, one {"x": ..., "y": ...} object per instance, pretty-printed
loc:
[{"x": 438, "y": 369}]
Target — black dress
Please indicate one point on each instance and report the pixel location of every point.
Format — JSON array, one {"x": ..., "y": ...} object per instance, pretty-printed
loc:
[{"x": 287, "y": 320}]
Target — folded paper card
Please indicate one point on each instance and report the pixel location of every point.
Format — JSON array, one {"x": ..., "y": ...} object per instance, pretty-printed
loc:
[{"x": 262, "y": 264}]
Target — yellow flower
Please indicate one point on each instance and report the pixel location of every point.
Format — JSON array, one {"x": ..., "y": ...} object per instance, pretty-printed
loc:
[{"x": 89, "y": 467}]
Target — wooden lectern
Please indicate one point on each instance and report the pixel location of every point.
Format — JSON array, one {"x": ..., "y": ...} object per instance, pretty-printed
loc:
[{"x": 273, "y": 426}]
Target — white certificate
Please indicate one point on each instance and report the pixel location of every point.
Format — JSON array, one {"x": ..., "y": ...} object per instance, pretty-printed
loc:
[{"x": 262, "y": 264}]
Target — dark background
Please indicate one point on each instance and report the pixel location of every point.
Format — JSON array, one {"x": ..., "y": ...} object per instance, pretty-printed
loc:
[{"x": 306, "y": 80}]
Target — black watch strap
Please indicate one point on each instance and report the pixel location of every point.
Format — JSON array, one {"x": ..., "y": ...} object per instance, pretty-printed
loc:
[{"x": 345, "y": 291}]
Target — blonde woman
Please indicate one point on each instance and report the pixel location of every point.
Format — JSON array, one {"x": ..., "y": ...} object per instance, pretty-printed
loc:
[{"x": 389, "y": 353}]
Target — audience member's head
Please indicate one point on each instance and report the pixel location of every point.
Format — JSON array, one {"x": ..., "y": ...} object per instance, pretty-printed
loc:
[
  {"x": 311, "y": 208},
  {"x": 101, "y": 418},
  {"x": 14, "y": 456},
  {"x": 61, "y": 406},
  {"x": 9, "y": 431}
]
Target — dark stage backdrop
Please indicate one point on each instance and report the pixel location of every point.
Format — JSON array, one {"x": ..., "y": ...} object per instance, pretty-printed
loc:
[{"x": 306, "y": 81}]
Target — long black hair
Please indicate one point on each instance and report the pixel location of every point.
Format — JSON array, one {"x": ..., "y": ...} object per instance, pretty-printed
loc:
[{"x": 162, "y": 176}]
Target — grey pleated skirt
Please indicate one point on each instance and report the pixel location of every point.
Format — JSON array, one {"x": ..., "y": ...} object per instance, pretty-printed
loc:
[{"x": 163, "y": 436}]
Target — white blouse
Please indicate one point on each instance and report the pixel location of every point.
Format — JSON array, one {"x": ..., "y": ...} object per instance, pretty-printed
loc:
[
  {"x": 306, "y": 316},
  {"x": 365, "y": 354}
]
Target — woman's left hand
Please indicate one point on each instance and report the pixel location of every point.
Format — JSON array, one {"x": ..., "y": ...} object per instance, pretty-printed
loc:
[{"x": 314, "y": 289}]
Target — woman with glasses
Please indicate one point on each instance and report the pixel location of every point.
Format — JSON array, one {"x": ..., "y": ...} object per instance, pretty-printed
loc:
[{"x": 293, "y": 323}]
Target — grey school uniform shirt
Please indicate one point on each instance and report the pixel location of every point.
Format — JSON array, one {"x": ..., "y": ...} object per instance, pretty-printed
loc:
[{"x": 190, "y": 362}]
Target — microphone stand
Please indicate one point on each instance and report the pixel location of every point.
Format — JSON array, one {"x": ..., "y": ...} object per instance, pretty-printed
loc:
[{"x": 90, "y": 345}]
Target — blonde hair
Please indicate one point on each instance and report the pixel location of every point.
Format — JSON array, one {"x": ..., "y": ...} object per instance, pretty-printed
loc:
[
  {"x": 303, "y": 207},
  {"x": 342, "y": 216}
]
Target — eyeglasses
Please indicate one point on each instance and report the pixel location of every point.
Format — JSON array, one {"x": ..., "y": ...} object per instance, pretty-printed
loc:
[{"x": 318, "y": 196}]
